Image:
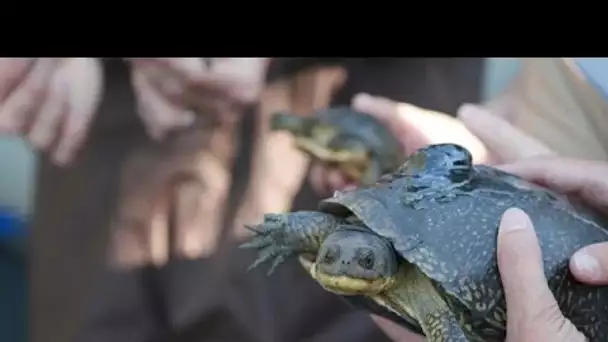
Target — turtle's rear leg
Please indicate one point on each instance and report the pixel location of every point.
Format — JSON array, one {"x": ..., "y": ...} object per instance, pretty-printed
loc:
[{"x": 283, "y": 235}]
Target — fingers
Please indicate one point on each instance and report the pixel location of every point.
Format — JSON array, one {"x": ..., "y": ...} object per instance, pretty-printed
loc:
[
  {"x": 48, "y": 121},
  {"x": 158, "y": 114},
  {"x": 584, "y": 178},
  {"x": 18, "y": 109},
  {"x": 416, "y": 127},
  {"x": 521, "y": 268},
  {"x": 241, "y": 78},
  {"x": 84, "y": 89},
  {"x": 590, "y": 264},
  {"x": 499, "y": 136},
  {"x": 532, "y": 312},
  {"x": 394, "y": 117},
  {"x": 171, "y": 76},
  {"x": 318, "y": 179},
  {"x": 13, "y": 71},
  {"x": 326, "y": 180}
]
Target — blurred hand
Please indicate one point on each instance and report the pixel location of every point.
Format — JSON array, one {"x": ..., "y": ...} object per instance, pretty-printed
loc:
[
  {"x": 50, "y": 102},
  {"x": 171, "y": 90},
  {"x": 490, "y": 138},
  {"x": 586, "y": 180}
]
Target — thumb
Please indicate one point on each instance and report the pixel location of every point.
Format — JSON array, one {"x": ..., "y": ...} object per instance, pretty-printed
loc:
[
  {"x": 590, "y": 264},
  {"x": 521, "y": 269},
  {"x": 416, "y": 127}
]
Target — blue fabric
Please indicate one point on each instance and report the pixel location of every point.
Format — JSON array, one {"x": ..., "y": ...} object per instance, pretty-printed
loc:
[
  {"x": 13, "y": 281},
  {"x": 10, "y": 224},
  {"x": 13, "y": 296},
  {"x": 596, "y": 71}
]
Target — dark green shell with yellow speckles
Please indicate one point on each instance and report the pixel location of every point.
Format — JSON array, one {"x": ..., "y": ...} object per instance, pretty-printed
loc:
[
  {"x": 381, "y": 142},
  {"x": 451, "y": 234}
]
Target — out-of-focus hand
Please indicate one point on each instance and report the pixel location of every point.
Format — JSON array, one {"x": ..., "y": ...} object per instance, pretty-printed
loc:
[
  {"x": 532, "y": 312},
  {"x": 171, "y": 90},
  {"x": 585, "y": 180},
  {"x": 490, "y": 138},
  {"x": 50, "y": 102}
]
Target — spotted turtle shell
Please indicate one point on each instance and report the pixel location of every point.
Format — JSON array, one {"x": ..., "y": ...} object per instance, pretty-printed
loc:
[
  {"x": 452, "y": 239},
  {"x": 379, "y": 139}
]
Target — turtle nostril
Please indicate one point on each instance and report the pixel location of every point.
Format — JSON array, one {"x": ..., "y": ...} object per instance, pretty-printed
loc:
[{"x": 331, "y": 255}]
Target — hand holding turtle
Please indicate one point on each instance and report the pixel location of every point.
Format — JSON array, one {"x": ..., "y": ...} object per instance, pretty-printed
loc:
[
  {"x": 490, "y": 138},
  {"x": 170, "y": 90},
  {"x": 532, "y": 312},
  {"x": 394, "y": 250},
  {"x": 587, "y": 180}
]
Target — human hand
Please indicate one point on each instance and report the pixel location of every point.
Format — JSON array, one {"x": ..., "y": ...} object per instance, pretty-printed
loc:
[
  {"x": 489, "y": 137},
  {"x": 50, "y": 102},
  {"x": 532, "y": 312},
  {"x": 171, "y": 90},
  {"x": 585, "y": 180}
]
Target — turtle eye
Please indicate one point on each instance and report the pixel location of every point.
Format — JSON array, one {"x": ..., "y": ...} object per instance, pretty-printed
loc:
[
  {"x": 331, "y": 255},
  {"x": 367, "y": 261}
]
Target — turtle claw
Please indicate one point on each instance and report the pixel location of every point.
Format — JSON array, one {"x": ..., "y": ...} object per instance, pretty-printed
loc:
[
  {"x": 263, "y": 256},
  {"x": 268, "y": 239},
  {"x": 259, "y": 240}
]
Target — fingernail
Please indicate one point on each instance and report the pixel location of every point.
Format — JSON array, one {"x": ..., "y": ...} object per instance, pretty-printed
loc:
[
  {"x": 61, "y": 157},
  {"x": 586, "y": 265},
  {"x": 514, "y": 219},
  {"x": 362, "y": 100},
  {"x": 468, "y": 111}
]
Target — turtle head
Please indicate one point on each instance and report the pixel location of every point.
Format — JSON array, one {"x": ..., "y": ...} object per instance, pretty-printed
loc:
[
  {"x": 321, "y": 140},
  {"x": 298, "y": 125},
  {"x": 355, "y": 261}
]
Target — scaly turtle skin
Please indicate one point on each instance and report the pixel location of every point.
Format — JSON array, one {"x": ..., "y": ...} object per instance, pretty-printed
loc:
[
  {"x": 357, "y": 143},
  {"x": 422, "y": 244}
]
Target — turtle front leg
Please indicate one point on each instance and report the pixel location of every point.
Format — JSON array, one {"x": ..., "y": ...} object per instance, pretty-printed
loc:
[
  {"x": 415, "y": 296},
  {"x": 284, "y": 235}
]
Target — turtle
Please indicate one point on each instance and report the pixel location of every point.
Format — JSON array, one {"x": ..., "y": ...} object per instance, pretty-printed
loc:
[
  {"x": 421, "y": 245},
  {"x": 357, "y": 143}
]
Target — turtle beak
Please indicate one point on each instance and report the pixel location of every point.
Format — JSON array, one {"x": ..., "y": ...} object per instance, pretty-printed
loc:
[{"x": 306, "y": 263}]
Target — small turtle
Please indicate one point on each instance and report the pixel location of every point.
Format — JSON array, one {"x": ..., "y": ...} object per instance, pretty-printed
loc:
[
  {"x": 362, "y": 147},
  {"x": 421, "y": 244}
]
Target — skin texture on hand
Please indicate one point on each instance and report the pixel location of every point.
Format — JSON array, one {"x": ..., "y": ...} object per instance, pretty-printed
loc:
[
  {"x": 171, "y": 91},
  {"x": 483, "y": 131},
  {"x": 582, "y": 179},
  {"x": 50, "y": 102},
  {"x": 532, "y": 312}
]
